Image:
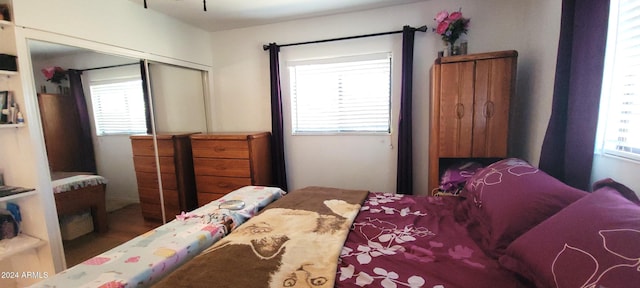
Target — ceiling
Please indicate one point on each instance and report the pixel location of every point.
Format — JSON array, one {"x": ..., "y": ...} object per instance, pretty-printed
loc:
[{"x": 230, "y": 14}]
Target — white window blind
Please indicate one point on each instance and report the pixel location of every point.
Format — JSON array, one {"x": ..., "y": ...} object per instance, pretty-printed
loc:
[
  {"x": 118, "y": 107},
  {"x": 341, "y": 95},
  {"x": 621, "y": 81}
]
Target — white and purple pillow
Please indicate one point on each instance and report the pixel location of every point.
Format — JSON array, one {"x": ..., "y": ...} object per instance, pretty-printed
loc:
[
  {"x": 594, "y": 242},
  {"x": 506, "y": 199}
]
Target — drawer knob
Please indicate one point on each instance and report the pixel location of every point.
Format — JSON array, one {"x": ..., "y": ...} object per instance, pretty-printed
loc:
[
  {"x": 489, "y": 109},
  {"x": 219, "y": 149},
  {"x": 460, "y": 110}
]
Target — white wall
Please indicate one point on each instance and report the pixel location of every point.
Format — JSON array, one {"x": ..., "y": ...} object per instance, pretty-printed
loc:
[
  {"x": 622, "y": 170},
  {"x": 536, "y": 77},
  {"x": 178, "y": 99},
  {"x": 120, "y": 23},
  {"x": 113, "y": 153},
  {"x": 241, "y": 73}
]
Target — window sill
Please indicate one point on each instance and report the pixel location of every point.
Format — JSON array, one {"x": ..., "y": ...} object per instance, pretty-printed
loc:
[
  {"x": 617, "y": 157},
  {"x": 385, "y": 134}
]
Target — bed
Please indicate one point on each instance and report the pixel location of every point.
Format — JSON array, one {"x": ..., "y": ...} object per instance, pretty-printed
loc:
[
  {"x": 144, "y": 260},
  {"x": 76, "y": 192},
  {"x": 514, "y": 226}
]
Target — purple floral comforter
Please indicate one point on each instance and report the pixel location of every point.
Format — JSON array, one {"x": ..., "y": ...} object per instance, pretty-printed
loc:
[{"x": 414, "y": 241}]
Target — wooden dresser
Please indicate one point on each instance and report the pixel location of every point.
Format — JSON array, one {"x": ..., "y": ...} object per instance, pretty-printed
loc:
[
  {"x": 470, "y": 97},
  {"x": 176, "y": 168},
  {"x": 224, "y": 162}
]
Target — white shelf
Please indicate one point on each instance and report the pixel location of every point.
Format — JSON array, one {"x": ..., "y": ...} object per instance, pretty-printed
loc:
[
  {"x": 11, "y": 125},
  {"x": 18, "y": 244},
  {"x": 5, "y": 23},
  {"x": 17, "y": 196},
  {"x": 8, "y": 73}
]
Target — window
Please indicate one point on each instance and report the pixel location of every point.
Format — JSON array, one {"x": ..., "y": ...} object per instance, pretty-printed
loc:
[
  {"x": 118, "y": 107},
  {"x": 619, "y": 124},
  {"x": 341, "y": 95}
]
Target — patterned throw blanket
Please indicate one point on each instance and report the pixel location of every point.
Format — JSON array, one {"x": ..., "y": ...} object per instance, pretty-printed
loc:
[{"x": 294, "y": 242}]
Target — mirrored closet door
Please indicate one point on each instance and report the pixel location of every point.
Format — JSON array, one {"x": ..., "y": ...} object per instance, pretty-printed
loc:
[{"x": 95, "y": 108}]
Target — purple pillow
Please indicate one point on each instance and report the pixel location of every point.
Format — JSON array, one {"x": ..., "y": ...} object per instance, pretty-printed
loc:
[
  {"x": 594, "y": 242},
  {"x": 509, "y": 197}
]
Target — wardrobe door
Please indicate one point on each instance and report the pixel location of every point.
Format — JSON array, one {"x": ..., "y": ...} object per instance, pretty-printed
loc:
[
  {"x": 493, "y": 87},
  {"x": 62, "y": 132},
  {"x": 456, "y": 109}
]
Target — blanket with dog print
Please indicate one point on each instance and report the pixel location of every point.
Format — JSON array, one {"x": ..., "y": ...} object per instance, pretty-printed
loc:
[{"x": 293, "y": 242}]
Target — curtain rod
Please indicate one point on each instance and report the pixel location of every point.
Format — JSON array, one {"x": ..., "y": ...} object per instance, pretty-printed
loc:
[
  {"x": 112, "y": 66},
  {"x": 421, "y": 29}
]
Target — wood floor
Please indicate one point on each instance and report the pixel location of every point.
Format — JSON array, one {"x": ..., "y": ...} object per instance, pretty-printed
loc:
[{"x": 124, "y": 224}]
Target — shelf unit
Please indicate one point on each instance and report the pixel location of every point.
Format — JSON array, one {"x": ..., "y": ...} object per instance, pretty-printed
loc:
[
  {"x": 36, "y": 248},
  {"x": 5, "y": 23},
  {"x": 18, "y": 196},
  {"x": 18, "y": 244},
  {"x": 8, "y": 73},
  {"x": 4, "y": 126}
]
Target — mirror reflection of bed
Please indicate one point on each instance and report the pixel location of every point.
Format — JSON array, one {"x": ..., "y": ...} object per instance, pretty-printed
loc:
[{"x": 92, "y": 170}]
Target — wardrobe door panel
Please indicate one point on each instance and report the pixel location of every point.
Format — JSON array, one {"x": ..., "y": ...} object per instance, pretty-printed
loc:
[
  {"x": 491, "y": 117},
  {"x": 456, "y": 109},
  {"x": 62, "y": 133}
]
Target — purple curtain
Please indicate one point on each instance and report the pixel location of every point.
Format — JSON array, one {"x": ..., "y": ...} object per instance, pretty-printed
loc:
[
  {"x": 75, "y": 83},
  {"x": 567, "y": 150},
  {"x": 404, "y": 178},
  {"x": 277, "y": 133}
]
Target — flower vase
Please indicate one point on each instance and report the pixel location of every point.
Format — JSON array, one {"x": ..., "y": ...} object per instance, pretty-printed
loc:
[
  {"x": 447, "y": 49},
  {"x": 453, "y": 49}
]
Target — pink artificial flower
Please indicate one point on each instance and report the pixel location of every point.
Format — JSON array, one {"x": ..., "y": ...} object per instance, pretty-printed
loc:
[
  {"x": 184, "y": 216},
  {"x": 442, "y": 27},
  {"x": 455, "y": 16},
  {"x": 441, "y": 16},
  {"x": 48, "y": 72}
]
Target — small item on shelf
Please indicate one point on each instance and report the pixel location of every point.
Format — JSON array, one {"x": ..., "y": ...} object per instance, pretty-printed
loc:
[
  {"x": 463, "y": 48},
  {"x": 55, "y": 74},
  {"x": 456, "y": 176},
  {"x": 20, "y": 118},
  {"x": 8, "y": 62},
  {"x": 4, "y": 12},
  {"x": 4, "y": 95},
  {"x": 9, "y": 227},
  {"x": 11, "y": 113},
  {"x": 15, "y": 211},
  {"x": 450, "y": 27}
]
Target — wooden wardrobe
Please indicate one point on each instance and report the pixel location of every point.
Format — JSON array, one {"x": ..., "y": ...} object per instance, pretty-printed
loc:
[
  {"x": 67, "y": 148},
  {"x": 470, "y": 96}
]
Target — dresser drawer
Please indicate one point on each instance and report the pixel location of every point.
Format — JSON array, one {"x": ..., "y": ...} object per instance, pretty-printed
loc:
[
  {"x": 222, "y": 167},
  {"x": 220, "y": 148},
  {"x": 149, "y": 180},
  {"x": 148, "y": 164},
  {"x": 150, "y": 203},
  {"x": 144, "y": 147},
  {"x": 215, "y": 184},
  {"x": 149, "y": 195}
]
